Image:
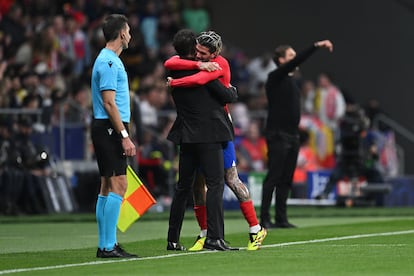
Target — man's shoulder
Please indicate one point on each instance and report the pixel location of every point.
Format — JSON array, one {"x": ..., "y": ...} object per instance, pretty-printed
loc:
[
  {"x": 273, "y": 73},
  {"x": 174, "y": 57},
  {"x": 106, "y": 54},
  {"x": 103, "y": 60},
  {"x": 171, "y": 59}
]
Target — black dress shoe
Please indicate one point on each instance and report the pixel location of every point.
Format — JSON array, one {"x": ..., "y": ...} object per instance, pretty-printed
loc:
[
  {"x": 117, "y": 252},
  {"x": 219, "y": 244},
  {"x": 268, "y": 225},
  {"x": 284, "y": 225},
  {"x": 175, "y": 246},
  {"x": 99, "y": 253}
]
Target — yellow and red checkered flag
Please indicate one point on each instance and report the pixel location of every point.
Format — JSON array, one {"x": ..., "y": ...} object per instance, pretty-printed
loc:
[{"x": 137, "y": 200}]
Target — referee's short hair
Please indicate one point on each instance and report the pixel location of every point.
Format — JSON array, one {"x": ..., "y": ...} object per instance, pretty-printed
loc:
[{"x": 113, "y": 25}]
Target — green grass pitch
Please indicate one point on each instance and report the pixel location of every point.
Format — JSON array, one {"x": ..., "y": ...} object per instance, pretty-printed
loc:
[{"x": 328, "y": 241}]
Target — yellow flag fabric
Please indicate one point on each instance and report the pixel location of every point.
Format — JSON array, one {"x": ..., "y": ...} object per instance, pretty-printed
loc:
[{"x": 137, "y": 200}]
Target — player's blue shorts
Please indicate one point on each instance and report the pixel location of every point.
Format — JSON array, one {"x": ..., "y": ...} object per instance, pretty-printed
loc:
[{"x": 229, "y": 154}]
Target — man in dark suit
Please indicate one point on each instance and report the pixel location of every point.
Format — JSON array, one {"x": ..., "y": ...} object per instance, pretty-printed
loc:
[{"x": 201, "y": 128}]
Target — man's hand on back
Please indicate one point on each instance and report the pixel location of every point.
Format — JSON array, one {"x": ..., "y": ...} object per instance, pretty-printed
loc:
[{"x": 208, "y": 66}]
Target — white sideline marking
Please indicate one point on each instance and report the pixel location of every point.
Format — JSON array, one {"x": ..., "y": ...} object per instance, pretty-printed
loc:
[
  {"x": 17, "y": 270},
  {"x": 341, "y": 238}
]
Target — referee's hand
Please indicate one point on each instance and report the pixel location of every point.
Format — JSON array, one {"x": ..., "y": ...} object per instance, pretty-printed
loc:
[{"x": 129, "y": 147}]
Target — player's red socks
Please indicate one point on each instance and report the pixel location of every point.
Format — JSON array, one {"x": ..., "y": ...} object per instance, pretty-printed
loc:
[
  {"x": 200, "y": 212},
  {"x": 249, "y": 212}
]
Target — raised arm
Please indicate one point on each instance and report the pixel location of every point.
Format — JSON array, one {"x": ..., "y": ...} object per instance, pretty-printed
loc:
[
  {"x": 304, "y": 55},
  {"x": 324, "y": 44}
]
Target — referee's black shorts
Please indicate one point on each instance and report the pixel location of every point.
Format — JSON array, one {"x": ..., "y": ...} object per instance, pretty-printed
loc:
[{"x": 108, "y": 148}]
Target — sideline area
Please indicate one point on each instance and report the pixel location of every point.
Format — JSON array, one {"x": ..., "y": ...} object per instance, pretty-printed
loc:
[{"x": 11, "y": 271}]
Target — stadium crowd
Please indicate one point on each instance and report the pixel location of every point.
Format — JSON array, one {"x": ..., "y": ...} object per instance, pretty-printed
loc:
[{"x": 46, "y": 50}]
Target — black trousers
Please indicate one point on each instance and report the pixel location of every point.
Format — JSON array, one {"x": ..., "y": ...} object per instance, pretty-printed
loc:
[
  {"x": 283, "y": 149},
  {"x": 209, "y": 158}
]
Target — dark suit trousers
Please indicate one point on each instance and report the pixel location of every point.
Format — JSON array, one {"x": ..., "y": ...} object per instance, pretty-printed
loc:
[
  {"x": 283, "y": 152},
  {"x": 209, "y": 158}
]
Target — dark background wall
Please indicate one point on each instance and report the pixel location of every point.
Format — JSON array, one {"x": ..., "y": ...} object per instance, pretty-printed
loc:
[{"x": 373, "y": 45}]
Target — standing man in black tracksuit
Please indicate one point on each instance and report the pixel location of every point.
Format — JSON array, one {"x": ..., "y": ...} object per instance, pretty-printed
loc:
[{"x": 282, "y": 136}]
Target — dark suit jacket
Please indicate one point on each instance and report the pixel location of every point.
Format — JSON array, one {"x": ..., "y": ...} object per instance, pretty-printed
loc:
[{"x": 200, "y": 114}]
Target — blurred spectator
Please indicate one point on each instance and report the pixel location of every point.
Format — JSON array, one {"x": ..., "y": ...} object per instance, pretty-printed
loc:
[
  {"x": 153, "y": 164},
  {"x": 321, "y": 140},
  {"x": 96, "y": 36},
  {"x": 196, "y": 16},
  {"x": 168, "y": 25},
  {"x": 149, "y": 27},
  {"x": 45, "y": 50},
  {"x": 307, "y": 159},
  {"x": 252, "y": 149},
  {"x": 372, "y": 109},
  {"x": 24, "y": 54},
  {"x": 240, "y": 76},
  {"x": 21, "y": 165},
  {"x": 308, "y": 97},
  {"x": 66, "y": 51},
  {"x": 358, "y": 156},
  {"x": 259, "y": 100},
  {"x": 152, "y": 98},
  {"x": 27, "y": 85},
  {"x": 258, "y": 68},
  {"x": 5, "y": 6},
  {"x": 384, "y": 138},
  {"x": 330, "y": 102},
  {"x": 136, "y": 126},
  {"x": 34, "y": 165},
  {"x": 80, "y": 41},
  {"x": 58, "y": 109},
  {"x": 11, "y": 178},
  {"x": 23, "y": 143},
  {"x": 12, "y": 27},
  {"x": 240, "y": 117},
  {"x": 79, "y": 106},
  {"x": 4, "y": 87},
  {"x": 136, "y": 56}
]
